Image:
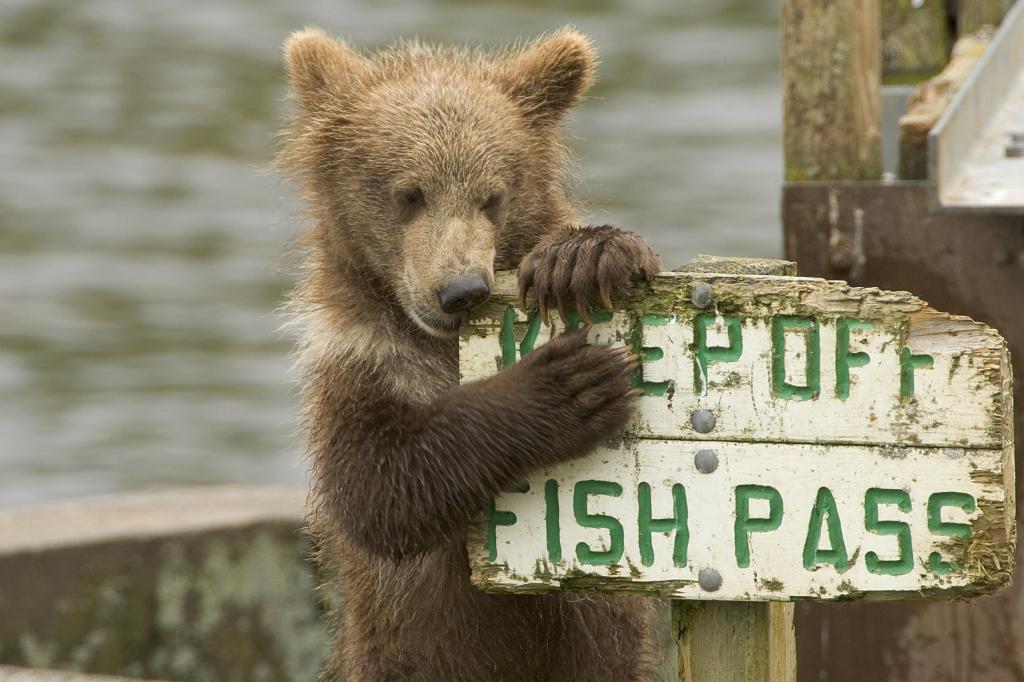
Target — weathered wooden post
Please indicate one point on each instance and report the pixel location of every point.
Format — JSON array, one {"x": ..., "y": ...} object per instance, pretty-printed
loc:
[
  {"x": 831, "y": 68},
  {"x": 708, "y": 637},
  {"x": 798, "y": 439}
]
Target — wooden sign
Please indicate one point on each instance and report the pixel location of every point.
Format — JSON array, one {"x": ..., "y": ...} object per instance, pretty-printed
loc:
[{"x": 798, "y": 439}]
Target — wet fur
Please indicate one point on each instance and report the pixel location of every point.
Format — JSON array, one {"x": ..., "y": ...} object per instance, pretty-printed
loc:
[{"x": 402, "y": 455}]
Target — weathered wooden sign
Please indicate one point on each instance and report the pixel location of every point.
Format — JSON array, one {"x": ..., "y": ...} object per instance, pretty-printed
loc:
[{"x": 798, "y": 439}]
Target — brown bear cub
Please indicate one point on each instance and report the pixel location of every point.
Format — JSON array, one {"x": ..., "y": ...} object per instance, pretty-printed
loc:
[{"x": 425, "y": 169}]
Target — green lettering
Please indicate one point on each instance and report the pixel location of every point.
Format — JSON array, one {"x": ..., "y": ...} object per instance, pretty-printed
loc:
[
  {"x": 653, "y": 354},
  {"x": 813, "y": 360},
  {"x": 744, "y": 525},
  {"x": 584, "y": 553},
  {"x": 497, "y": 518},
  {"x": 652, "y": 320},
  {"x": 507, "y": 336},
  {"x": 678, "y": 524},
  {"x": 703, "y": 355},
  {"x": 844, "y": 358},
  {"x": 572, "y": 318},
  {"x": 908, "y": 363},
  {"x": 551, "y": 514},
  {"x": 901, "y": 498},
  {"x": 494, "y": 519},
  {"x": 825, "y": 510},
  {"x": 939, "y": 527}
]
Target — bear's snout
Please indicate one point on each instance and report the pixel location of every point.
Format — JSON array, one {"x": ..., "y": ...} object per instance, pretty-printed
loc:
[{"x": 463, "y": 292}]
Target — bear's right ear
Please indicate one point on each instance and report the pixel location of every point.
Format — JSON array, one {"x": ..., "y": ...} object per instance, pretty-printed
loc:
[
  {"x": 549, "y": 76},
  {"x": 319, "y": 67}
]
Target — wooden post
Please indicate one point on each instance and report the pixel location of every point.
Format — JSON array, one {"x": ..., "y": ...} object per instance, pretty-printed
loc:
[
  {"x": 735, "y": 641},
  {"x": 831, "y": 71}
]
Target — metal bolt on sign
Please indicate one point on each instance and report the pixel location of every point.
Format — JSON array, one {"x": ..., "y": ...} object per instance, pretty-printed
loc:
[
  {"x": 709, "y": 579},
  {"x": 702, "y": 296},
  {"x": 706, "y": 461},
  {"x": 703, "y": 421}
]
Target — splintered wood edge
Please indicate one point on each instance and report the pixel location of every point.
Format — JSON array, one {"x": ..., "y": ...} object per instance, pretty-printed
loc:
[{"x": 1009, "y": 469}]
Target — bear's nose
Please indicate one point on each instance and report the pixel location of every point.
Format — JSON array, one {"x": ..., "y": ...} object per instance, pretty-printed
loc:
[{"x": 463, "y": 292}]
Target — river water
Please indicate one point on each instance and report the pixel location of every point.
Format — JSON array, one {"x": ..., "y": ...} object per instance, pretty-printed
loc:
[{"x": 141, "y": 236}]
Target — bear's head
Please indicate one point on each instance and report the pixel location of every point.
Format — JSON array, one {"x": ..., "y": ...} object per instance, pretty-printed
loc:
[{"x": 426, "y": 167}]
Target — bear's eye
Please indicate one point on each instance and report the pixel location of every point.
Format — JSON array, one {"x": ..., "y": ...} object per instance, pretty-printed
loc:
[
  {"x": 493, "y": 204},
  {"x": 410, "y": 200}
]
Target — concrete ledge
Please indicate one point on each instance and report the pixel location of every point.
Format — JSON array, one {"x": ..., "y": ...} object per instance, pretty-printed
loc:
[
  {"x": 9, "y": 674},
  {"x": 139, "y": 516},
  {"x": 189, "y": 584}
]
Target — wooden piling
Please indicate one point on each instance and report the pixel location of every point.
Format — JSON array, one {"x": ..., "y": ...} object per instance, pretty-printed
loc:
[
  {"x": 735, "y": 641},
  {"x": 831, "y": 71}
]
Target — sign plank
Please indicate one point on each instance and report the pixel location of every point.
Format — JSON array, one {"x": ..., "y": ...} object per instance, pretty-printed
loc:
[
  {"x": 787, "y": 359},
  {"x": 798, "y": 439}
]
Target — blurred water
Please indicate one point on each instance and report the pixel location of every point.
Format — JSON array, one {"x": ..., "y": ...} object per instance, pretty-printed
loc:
[{"x": 141, "y": 241}]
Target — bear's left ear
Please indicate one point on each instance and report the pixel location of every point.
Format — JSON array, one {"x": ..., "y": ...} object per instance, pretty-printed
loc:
[
  {"x": 319, "y": 67},
  {"x": 547, "y": 77}
]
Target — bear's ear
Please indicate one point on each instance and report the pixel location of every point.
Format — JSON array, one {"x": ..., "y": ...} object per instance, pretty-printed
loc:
[
  {"x": 319, "y": 67},
  {"x": 547, "y": 77}
]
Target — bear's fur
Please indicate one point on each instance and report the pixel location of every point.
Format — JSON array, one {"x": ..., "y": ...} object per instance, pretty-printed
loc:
[{"x": 421, "y": 164}]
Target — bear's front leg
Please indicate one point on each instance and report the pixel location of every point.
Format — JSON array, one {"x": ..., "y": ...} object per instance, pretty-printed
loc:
[
  {"x": 403, "y": 477},
  {"x": 583, "y": 265}
]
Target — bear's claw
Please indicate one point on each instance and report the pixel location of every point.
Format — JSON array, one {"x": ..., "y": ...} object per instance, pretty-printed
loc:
[{"x": 583, "y": 265}]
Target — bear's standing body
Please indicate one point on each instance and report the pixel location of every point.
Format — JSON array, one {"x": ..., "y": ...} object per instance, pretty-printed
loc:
[{"x": 424, "y": 168}]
